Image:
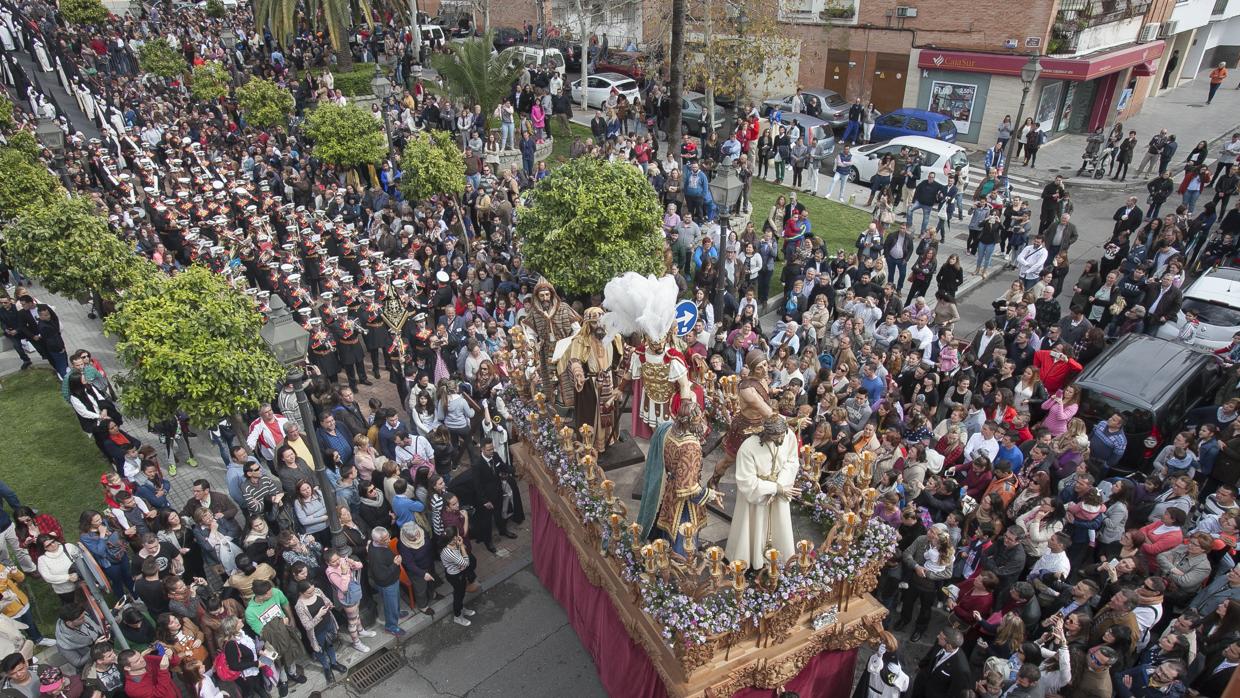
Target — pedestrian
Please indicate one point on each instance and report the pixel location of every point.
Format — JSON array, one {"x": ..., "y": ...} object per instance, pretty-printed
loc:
[
  {"x": 1033, "y": 141},
  {"x": 1127, "y": 148},
  {"x": 1153, "y": 152},
  {"x": 383, "y": 567},
  {"x": 1004, "y": 132},
  {"x": 1217, "y": 76},
  {"x": 459, "y": 565}
]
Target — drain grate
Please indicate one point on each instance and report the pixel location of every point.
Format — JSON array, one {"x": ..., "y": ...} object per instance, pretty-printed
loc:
[{"x": 375, "y": 669}]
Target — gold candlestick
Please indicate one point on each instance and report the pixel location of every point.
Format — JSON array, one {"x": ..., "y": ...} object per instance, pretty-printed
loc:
[
  {"x": 648, "y": 559},
  {"x": 772, "y": 563},
  {"x": 616, "y": 523},
  {"x": 714, "y": 554},
  {"x": 738, "y": 575},
  {"x": 690, "y": 545},
  {"x": 635, "y": 537}
]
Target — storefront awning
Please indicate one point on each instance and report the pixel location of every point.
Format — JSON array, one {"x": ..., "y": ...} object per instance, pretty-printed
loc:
[
  {"x": 1145, "y": 69},
  {"x": 1085, "y": 67}
]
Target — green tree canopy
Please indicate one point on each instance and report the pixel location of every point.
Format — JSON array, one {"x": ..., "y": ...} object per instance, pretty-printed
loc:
[
  {"x": 83, "y": 11},
  {"x": 589, "y": 221},
  {"x": 433, "y": 165},
  {"x": 6, "y": 114},
  {"x": 24, "y": 182},
  {"x": 158, "y": 57},
  {"x": 68, "y": 246},
  {"x": 265, "y": 104},
  {"x": 191, "y": 343},
  {"x": 24, "y": 141},
  {"x": 346, "y": 135},
  {"x": 209, "y": 81},
  {"x": 469, "y": 71},
  {"x": 215, "y": 9},
  {"x": 283, "y": 17}
]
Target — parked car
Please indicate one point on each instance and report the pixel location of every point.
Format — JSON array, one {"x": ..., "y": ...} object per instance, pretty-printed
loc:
[
  {"x": 1153, "y": 383},
  {"x": 599, "y": 86},
  {"x": 937, "y": 156},
  {"x": 630, "y": 63},
  {"x": 507, "y": 36},
  {"x": 1215, "y": 297},
  {"x": 571, "y": 51},
  {"x": 457, "y": 27},
  {"x": 692, "y": 108},
  {"x": 914, "y": 122},
  {"x": 827, "y": 105},
  {"x": 536, "y": 56}
]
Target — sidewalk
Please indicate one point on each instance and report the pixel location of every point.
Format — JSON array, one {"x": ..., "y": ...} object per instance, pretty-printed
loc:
[{"x": 1182, "y": 111}]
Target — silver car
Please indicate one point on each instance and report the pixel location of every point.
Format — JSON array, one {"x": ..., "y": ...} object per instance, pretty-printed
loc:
[
  {"x": 691, "y": 113},
  {"x": 829, "y": 105}
]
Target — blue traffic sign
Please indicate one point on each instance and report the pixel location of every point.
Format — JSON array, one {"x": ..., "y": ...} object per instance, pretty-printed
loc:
[{"x": 686, "y": 317}]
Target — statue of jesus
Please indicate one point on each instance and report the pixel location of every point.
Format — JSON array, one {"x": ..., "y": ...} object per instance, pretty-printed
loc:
[{"x": 766, "y": 471}]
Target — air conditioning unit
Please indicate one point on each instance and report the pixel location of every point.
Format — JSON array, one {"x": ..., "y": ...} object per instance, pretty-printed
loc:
[
  {"x": 1169, "y": 28},
  {"x": 1148, "y": 33},
  {"x": 906, "y": 11}
]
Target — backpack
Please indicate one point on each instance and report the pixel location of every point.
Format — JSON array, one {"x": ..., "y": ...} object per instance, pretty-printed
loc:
[{"x": 222, "y": 670}]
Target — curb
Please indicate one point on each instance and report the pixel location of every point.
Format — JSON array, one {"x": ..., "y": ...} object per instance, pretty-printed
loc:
[{"x": 1106, "y": 184}]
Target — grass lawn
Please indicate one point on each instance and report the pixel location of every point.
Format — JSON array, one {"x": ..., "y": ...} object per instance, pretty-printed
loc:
[
  {"x": 50, "y": 464},
  {"x": 836, "y": 224}
]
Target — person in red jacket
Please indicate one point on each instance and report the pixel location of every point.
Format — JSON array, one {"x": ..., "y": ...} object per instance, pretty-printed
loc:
[
  {"x": 147, "y": 675},
  {"x": 1056, "y": 366}
]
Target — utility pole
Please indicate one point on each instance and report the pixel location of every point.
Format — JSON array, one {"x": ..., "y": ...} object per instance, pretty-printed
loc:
[{"x": 583, "y": 21}]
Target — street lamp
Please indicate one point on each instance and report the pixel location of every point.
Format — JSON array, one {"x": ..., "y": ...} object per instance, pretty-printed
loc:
[
  {"x": 288, "y": 342},
  {"x": 726, "y": 188},
  {"x": 229, "y": 38},
  {"x": 51, "y": 137},
  {"x": 1028, "y": 76},
  {"x": 381, "y": 88}
]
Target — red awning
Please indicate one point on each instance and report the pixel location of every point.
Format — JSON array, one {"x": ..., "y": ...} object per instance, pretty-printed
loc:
[
  {"x": 1144, "y": 70},
  {"x": 1083, "y": 68}
]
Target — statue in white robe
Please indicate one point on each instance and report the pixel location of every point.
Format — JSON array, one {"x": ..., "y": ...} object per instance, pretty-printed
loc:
[{"x": 766, "y": 471}]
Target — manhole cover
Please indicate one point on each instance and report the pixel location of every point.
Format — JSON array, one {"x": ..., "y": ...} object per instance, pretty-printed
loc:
[{"x": 374, "y": 669}]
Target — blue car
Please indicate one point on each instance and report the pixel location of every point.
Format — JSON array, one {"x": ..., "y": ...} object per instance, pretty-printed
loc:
[{"x": 914, "y": 122}]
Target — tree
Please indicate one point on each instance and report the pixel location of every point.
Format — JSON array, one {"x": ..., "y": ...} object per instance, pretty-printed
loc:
[
  {"x": 24, "y": 142},
  {"x": 436, "y": 166},
  {"x": 589, "y": 221},
  {"x": 265, "y": 104},
  {"x": 158, "y": 57},
  {"x": 191, "y": 343},
  {"x": 346, "y": 135},
  {"x": 6, "y": 114},
  {"x": 215, "y": 9},
  {"x": 469, "y": 71},
  {"x": 282, "y": 17},
  {"x": 24, "y": 182},
  {"x": 210, "y": 81},
  {"x": 677, "y": 57},
  {"x": 83, "y": 11},
  {"x": 68, "y": 246}
]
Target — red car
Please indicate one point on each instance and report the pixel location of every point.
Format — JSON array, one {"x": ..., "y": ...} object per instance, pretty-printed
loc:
[{"x": 630, "y": 63}]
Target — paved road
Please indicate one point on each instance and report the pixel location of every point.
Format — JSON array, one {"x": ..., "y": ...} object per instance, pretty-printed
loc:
[{"x": 520, "y": 644}]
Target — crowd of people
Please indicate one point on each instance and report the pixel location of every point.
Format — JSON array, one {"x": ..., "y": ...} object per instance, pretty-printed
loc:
[{"x": 1058, "y": 574}]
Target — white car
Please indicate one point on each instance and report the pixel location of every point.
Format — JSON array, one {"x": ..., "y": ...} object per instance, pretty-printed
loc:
[
  {"x": 1215, "y": 297},
  {"x": 939, "y": 157},
  {"x": 532, "y": 56},
  {"x": 600, "y": 86}
]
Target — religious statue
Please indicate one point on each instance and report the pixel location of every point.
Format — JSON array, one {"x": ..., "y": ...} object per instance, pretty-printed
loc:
[
  {"x": 646, "y": 306},
  {"x": 673, "y": 494},
  {"x": 588, "y": 366},
  {"x": 551, "y": 321},
  {"x": 753, "y": 392},
  {"x": 766, "y": 470}
]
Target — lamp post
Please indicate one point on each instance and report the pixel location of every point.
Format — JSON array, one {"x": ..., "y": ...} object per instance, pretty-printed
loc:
[
  {"x": 288, "y": 342},
  {"x": 725, "y": 188},
  {"x": 381, "y": 88},
  {"x": 51, "y": 137},
  {"x": 1028, "y": 76}
]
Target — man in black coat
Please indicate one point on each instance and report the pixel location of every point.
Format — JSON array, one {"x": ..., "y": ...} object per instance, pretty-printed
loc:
[
  {"x": 1213, "y": 679},
  {"x": 14, "y": 326},
  {"x": 944, "y": 671},
  {"x": 1127, "y": 217},
  {"x": 598, "y": 127},
  {"x": 1162, "y": 302}
]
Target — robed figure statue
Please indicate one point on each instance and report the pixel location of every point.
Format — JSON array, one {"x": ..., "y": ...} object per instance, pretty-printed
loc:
[
  {"x": 673, "y": 493},
  {"x": 766, "y": 472}
]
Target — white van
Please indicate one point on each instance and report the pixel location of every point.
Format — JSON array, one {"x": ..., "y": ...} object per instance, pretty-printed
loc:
[
  {"x": 433, "y": 34},
  {"x": 532, "y": 56}
]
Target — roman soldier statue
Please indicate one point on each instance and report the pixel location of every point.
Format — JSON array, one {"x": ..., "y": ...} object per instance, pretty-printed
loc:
[
  {"x": 551, "y": 321},
  {"x": 588, "y": 365}
]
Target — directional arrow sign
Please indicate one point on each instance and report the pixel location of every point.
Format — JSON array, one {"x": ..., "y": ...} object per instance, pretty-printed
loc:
[{"x": 686, "y": 317}]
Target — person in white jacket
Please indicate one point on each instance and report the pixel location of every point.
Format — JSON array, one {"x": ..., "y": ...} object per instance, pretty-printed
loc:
[{"x": 1030, "y": 261}]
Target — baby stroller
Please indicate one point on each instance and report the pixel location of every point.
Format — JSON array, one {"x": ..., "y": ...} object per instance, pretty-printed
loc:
[{"x": 1095, "y": 159}]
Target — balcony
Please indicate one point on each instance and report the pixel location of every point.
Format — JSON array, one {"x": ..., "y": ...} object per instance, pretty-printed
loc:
[
  {"x": 1077, "y": 19},
  {"x": 842, "y": 12},
  {"x": 1220, "y": 8}
]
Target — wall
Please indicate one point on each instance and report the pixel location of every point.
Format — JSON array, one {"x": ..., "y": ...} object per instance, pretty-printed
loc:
[
  {"x": 1192, "y": 14},
  {"x": 1214, "y": 43},
  {"x": 1107, "y": 35}
]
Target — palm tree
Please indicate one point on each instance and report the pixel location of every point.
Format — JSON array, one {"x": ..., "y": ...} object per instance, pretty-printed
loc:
[
  {"x": 282, "y": 18},
  {"x": 469, "y": 71},
  {"x": 678, "y": 75}
]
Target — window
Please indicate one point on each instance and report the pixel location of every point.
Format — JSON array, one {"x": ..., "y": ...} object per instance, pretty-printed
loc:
[
  {"x": 597, "y": 83},
  {"x": 1213, "y": 313},
  {"x": 892, "y": 120},
  {"x": 927, "y": 158},
  {"x": 916, "y": 124}
]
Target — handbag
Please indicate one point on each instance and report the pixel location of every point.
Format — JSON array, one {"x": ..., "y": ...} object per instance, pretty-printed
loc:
[
  {"x": 222, "y": 670},
  {"x": 1118, "y": 306},
  {"x": 887, "y": 217}
]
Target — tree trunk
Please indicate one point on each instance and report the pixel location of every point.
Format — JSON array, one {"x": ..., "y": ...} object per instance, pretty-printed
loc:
[
  {"x": 709, "y": 112},
  {"x": 677, "y": 77},
  {"x": 585, "y": 55}
]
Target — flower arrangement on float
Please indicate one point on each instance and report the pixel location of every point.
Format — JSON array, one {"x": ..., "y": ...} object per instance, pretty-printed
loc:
[{"x": 689, "y": 614}]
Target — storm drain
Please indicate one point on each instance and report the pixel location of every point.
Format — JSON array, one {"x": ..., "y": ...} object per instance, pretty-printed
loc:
[{"x": 374, "y": 669}]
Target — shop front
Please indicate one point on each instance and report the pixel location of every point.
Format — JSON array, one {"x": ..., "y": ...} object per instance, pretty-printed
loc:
[{"x": 1073, "y": 94}]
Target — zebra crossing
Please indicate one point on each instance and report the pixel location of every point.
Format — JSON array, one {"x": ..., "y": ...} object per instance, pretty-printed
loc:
[{"x": 1026, "y": 188}]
